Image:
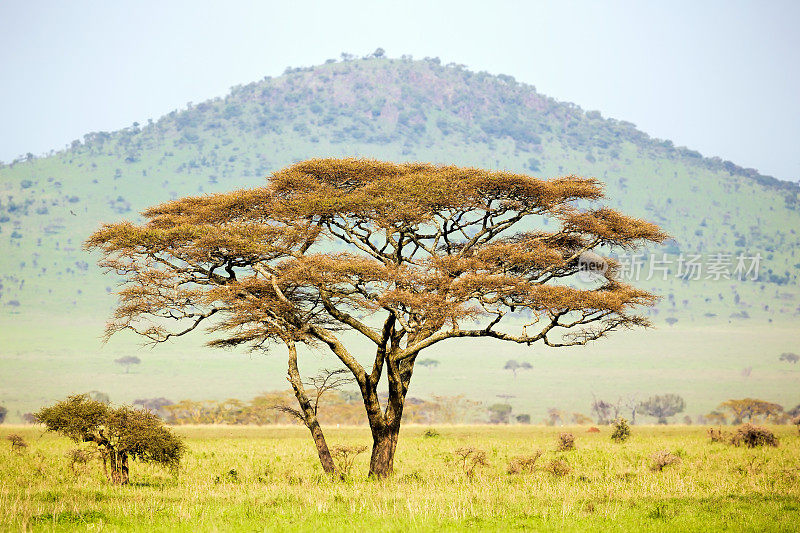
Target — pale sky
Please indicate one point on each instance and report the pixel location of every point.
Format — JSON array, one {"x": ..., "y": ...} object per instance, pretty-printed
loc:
[{"x": 721, "y": 77}]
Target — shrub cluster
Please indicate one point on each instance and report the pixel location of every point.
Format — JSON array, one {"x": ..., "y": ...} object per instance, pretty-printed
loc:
[
  {"x": 745, "y": 435},
  {"x": 753, "y": 436},
  {"x": 336, "y": 407}
]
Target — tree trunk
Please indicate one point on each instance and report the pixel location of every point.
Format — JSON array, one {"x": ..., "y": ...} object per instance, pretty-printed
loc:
[
  {"x": 123, "y": 469},
  {"x": 386, "y": 426},
  {"x": 384, "y": 445},
  {"x": 308, "y": 413},
  {"x": 119, "y": 467},
  {"x": 324, "y": 453}
]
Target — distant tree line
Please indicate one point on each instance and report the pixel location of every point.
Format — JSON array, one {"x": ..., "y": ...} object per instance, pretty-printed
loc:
[
  {"x": 344, "y": 407},
  {"x": 336, "y": 407}
]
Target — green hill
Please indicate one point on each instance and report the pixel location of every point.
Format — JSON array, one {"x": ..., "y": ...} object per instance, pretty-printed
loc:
[{"x": 395, "y": 109}]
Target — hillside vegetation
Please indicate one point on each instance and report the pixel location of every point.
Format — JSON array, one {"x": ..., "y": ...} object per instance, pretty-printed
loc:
[
  {"x": 398, "y": 110},
  {"x": 53, "y": 299}
]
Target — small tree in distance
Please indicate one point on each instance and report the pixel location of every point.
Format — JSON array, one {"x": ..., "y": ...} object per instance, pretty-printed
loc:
[
  {"x": 405, "y": 255},
  {"x": 751, "y": 409},
  {"x": 604, "y": 411},
  {"x": 156, "y": 405},
  {"x": 119, "y": 434},
  {"x": 428, "y": 363},
  {"x": 99, "y": 396},
  {"x": 789, "y": 357},
  {"x": 499, "y": 413},
  {"x": 663, "y": 407},
  {"x": 513, "y": 365},
  {"x": 127, "y": 361},
  {"x": 716, "y": 418}
]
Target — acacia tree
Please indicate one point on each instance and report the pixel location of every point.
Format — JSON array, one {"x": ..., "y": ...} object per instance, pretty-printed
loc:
[
  {"x": 119, "y": 434},
  {"x": 127, "y": 361},
  {"x": 750, "y": 409},
  {"x": 404, "y": 255},
  {"x": 663, "y": 406},
  {"x": 429, "y": 363},
  {"x": 514, "y": 365}
]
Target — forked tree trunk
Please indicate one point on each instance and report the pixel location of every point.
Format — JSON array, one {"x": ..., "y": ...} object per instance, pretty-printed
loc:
[{"x": 385, "y": 428}]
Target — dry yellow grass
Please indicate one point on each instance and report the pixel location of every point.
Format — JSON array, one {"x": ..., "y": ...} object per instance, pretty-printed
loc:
[{"x": 250, "y": 478}]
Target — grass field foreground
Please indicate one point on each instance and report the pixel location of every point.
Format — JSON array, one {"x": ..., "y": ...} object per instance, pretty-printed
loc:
[{"x": 268, "y": 479}]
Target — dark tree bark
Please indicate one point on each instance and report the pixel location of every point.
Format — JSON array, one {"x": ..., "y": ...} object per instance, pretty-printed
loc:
[
  {"x": 385, "y": 425},
  {"x": 384, "y": 446}
]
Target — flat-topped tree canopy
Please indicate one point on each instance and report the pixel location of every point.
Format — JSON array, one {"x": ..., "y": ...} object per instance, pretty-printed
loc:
[
  {"x": 406, "y": 254},
  {"x": 433, "y": 244}
]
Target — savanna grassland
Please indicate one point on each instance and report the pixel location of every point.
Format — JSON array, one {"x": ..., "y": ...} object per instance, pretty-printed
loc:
[{"x": 250, "y": 478}]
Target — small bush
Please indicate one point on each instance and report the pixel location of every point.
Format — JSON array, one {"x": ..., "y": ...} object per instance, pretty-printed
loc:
[
  {"x": 717, "y": 435},
  {"x": 622, "y": 431},
  {"x": 430, "y": 433},
  {"x": 18, "y": 444},
  {"x": 471, "y": 459},
  {"x": 753, "y": 436},
  {"x": 796, "y": 422},
  {"x": 413, "y": 477},
  {"x": 566, "y": 441},
  {"x": 345, "y": 456},
  {"x": 524, "y": 463},
  {"x": 231, "y": 476},
  {"x": 558, "y": 467},
  {"x": 78, "y": 457},
  {"x": 662, "y": 459}
]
